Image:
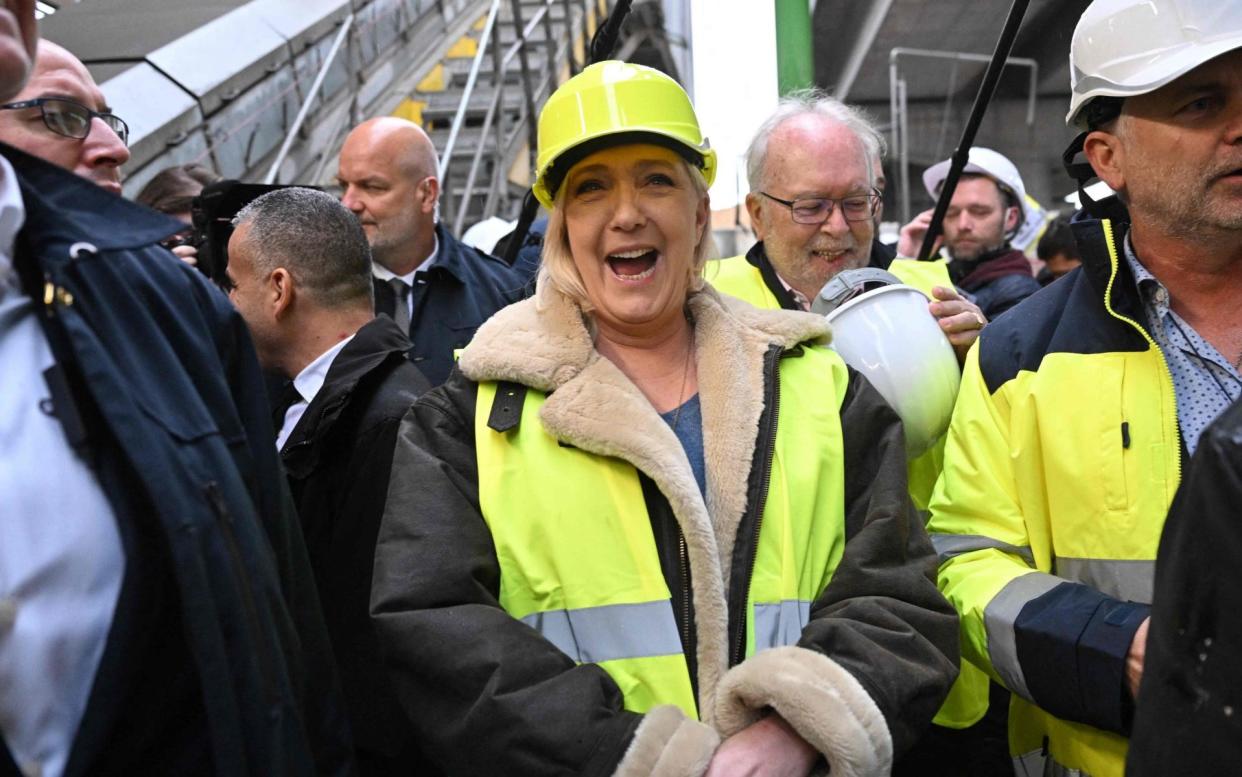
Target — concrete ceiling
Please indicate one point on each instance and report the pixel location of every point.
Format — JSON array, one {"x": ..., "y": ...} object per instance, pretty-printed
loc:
[
  {"x": 853, "y": 40},
  {"x": 111, "y": 30},
  {"x": 945, "y": 25}
]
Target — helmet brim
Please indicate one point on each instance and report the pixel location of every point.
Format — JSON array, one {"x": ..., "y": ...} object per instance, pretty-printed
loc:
[
  {"x": 552, "y": 178},
  {"x": 1161, "y": 72}
]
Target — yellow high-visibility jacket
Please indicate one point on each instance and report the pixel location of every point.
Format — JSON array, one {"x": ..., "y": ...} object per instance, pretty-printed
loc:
[
  {"x": 751, "y": 278},
  {"x": 1061, "y": 462}
]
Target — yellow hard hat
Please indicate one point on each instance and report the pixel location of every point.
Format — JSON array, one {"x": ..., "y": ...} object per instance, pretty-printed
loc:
[{"x": 601, "y": 107}]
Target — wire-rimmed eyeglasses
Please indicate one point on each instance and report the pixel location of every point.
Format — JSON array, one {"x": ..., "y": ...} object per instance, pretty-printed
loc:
[
  {"x": 71, "y": 118},
  {"x": 817, "y": 210}
]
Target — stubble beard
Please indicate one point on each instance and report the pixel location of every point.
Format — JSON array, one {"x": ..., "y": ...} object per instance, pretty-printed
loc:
[
  {"x": 811, "y": 274},
  {"x": 981, "y": 248},
  {"x": 383, "y": 252},
  {"x": 1185, "y": 207},
  {"x": 1186, "y": 210}
]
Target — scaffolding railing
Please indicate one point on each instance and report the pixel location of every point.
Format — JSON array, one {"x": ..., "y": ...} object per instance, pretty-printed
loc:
[{"x": 536, "y": 85}]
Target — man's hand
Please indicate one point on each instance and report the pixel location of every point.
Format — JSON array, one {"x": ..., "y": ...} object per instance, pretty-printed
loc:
[
  {"x": 960, "y": 319},
  {"x": 769, "y": 747},
  {"x": 187, "y": 254},
  {"x": 910, "y": 240},
  {"x": 1136, "y": 657}
]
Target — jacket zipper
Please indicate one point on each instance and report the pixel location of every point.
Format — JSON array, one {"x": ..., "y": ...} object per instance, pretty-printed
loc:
[
  {"x": 225, "y": 521},
  {"x": 684, "y": 558},
  {"x": 769, "y": 453},
  {"x": 1115, "y": 260}
]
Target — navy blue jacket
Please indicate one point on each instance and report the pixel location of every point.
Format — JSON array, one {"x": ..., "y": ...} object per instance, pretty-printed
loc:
[
  {"x": 218, "y": 606},
  {"x": 462, "y": 289}
]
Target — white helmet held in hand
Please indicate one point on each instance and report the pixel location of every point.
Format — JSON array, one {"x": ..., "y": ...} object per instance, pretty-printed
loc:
[
  {"x": 883, "y": 329},
  {"x": 1123, "y": 48},
  {"x": 983, "y": 161}
]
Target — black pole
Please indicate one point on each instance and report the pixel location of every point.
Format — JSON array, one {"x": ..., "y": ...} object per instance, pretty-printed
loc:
[
  {"x": 603, "y": 43},
  {"x": 961, "y": 155}
]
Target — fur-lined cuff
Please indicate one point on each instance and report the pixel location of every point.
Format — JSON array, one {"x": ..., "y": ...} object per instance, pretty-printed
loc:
[
  {"x": 823, "y": 702},
  {"x": 668, "y": 744}
]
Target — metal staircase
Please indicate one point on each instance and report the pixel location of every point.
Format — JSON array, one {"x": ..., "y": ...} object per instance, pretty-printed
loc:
[
  {"x": 479, "y": 109},
  {"x": 266, "y": 90}
]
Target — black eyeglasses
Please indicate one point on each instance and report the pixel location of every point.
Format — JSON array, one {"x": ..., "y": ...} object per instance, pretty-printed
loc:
[
  {"x": 69, "y": 118},
  {"x": 817, "y": 210}
]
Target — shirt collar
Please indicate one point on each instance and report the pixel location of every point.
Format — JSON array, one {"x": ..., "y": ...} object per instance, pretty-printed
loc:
[
  {"x": 311, "y": 379},
  {"x": 1151, "y": 290},
  {"x": 12, "y": 216},
  {"x": 798, "y": 296},
  {"x": 385, "y": 274}
]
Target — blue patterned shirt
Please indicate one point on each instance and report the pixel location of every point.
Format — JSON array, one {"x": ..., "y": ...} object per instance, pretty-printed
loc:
[{"x": 1204, "y": 381}]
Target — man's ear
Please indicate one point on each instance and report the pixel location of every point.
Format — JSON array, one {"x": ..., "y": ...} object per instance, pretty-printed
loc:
[
  {"x": 429, "y": 194},
  {"x": 281, "y": 291},
  {"x": 1012, "y": 214},
  {"x": 1106, "y": 153},
  {"x": 755, "y": 209}
]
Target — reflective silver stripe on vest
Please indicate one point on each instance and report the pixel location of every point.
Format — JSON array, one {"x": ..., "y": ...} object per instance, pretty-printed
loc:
[
  {"x": 780, "y": 623},
  {"x": 1121, "y": 579},
  {"x": 1036, "y": 764},
  {"x": 951, "y": 545},
  {"x": 999, "y": 618},
  {"x": 593, "y": 634},
  {"x": 1029, "y": 764}
]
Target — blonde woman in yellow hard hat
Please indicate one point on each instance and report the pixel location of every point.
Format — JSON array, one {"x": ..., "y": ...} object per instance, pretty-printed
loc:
[{"x": 644, "y": 530}]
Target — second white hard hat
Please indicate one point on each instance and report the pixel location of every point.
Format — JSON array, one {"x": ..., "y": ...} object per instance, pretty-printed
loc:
[
  {"x": 1123, "y": 48},
  {"x": 982, "y": 161},
  {"x": 886, "y": 333}
]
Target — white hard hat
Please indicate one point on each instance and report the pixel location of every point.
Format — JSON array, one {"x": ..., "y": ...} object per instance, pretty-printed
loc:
[
  {"x": 487, "y": 233},
  {"x": 1127, "y": 47},
  {"x": 983, "y": 161},
  {"x": 890, "y": 336}
]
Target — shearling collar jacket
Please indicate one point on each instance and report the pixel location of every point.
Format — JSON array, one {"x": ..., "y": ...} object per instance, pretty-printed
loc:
[{"x": 488, "y": 693}]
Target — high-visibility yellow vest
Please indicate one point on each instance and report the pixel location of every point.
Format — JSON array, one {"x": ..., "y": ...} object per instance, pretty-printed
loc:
[
  {"x": 923, "y": 276},
  {"x": 739, "y": 278},
  {"x": 968, "y": 698},
  {"x": 578, "y": 559}
]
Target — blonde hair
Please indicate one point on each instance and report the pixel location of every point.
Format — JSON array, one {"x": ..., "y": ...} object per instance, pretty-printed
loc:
[{"x": 557, "y": 266}]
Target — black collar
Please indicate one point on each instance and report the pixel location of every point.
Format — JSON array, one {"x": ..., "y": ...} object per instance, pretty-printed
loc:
[
  {"x": 63, "y": 208},
  {"x": 1098, "y": 265},
  {"x": 375, "y": 343}
]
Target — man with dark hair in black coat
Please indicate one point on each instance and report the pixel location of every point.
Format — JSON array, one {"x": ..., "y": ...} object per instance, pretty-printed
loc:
[
  {"x": 1058, "y": 250},
  {"x": 1189, "y": 718},
  {"x": 301, "y": 276}
]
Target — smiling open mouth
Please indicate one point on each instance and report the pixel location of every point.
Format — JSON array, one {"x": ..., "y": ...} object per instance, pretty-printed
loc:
[{"x": 633, "y": 265}]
